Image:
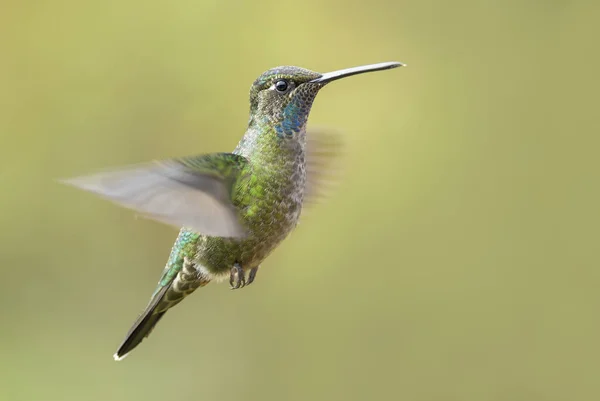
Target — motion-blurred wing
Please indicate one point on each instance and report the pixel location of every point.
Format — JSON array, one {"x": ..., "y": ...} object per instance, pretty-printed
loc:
[
  {"x": 193, "y": 192},
  {"x": 324, "y": 151}
]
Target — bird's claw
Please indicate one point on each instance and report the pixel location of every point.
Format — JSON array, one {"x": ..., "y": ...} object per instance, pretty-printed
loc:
[
  {"x": 237, "y": 276},
  {"x": 252, "y": 275}
]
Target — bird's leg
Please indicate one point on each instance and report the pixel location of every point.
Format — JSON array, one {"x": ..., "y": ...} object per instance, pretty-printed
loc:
[
  {"x": 252, "y": 275},
  {"x": 237, "y": 277}
]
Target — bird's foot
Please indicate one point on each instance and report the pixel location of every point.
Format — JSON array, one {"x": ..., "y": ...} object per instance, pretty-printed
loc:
[
  {"x": 237, "y": 277},
  {"x": 252, "y": 275}
]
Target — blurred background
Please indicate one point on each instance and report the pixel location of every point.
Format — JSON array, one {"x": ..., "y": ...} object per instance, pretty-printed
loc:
[{"x": 458, "y": 260}]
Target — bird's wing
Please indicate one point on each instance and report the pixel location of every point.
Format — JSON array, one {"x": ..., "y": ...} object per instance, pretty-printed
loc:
[
  {"x": 324, "y": 151},
  {"x": 193, "y": 192}
]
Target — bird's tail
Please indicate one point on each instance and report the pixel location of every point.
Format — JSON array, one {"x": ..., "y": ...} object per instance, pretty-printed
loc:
[
  {"x": 162, "y": 300},
  {"x": 144, "y": 324},
  {"x": 140, "y": 330}
]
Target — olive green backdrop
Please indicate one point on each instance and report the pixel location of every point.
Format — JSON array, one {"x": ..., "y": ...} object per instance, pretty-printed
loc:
[{"x": 458, "y": 260}]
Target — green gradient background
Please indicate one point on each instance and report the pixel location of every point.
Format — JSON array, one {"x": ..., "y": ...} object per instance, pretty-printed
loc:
[{"x": 457, "y": 261}]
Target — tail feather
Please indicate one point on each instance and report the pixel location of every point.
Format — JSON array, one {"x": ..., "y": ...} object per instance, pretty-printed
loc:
[
  {"x": 166, "y": 296},
  {"x": 143, "y": 325},
  {"x": 139, "y": 331}
]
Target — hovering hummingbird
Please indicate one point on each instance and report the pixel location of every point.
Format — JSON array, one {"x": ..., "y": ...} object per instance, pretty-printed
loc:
[{"x": 235, "y": 208}]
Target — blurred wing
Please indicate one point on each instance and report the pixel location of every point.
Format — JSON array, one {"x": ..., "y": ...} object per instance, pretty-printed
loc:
[
  {"x": 193, "y": 192},
  {"x": 324, "y": 151}
]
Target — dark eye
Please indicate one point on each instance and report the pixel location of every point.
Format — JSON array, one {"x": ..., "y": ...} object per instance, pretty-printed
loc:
[{"x": 281, "y": 86}]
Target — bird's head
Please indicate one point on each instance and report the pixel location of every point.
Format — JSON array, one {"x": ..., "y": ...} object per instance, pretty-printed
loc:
[{"x": 282, "y": 96}]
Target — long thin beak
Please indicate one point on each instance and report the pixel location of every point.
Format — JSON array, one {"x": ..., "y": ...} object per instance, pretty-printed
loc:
[{"x": 332, "y": 76}]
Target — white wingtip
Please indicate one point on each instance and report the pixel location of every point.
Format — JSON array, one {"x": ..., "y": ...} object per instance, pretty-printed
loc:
[{"x": 119, "y": 358}]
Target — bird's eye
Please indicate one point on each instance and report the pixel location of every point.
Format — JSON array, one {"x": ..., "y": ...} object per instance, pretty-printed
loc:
[{"x": 281, "y": 86}]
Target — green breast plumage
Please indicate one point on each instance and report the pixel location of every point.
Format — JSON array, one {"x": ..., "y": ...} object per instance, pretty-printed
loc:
[{"x": 268, "y": 197}]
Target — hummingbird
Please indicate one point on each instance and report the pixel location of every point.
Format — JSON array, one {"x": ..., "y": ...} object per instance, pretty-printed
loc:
[{"x": 235, "y": 208}]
